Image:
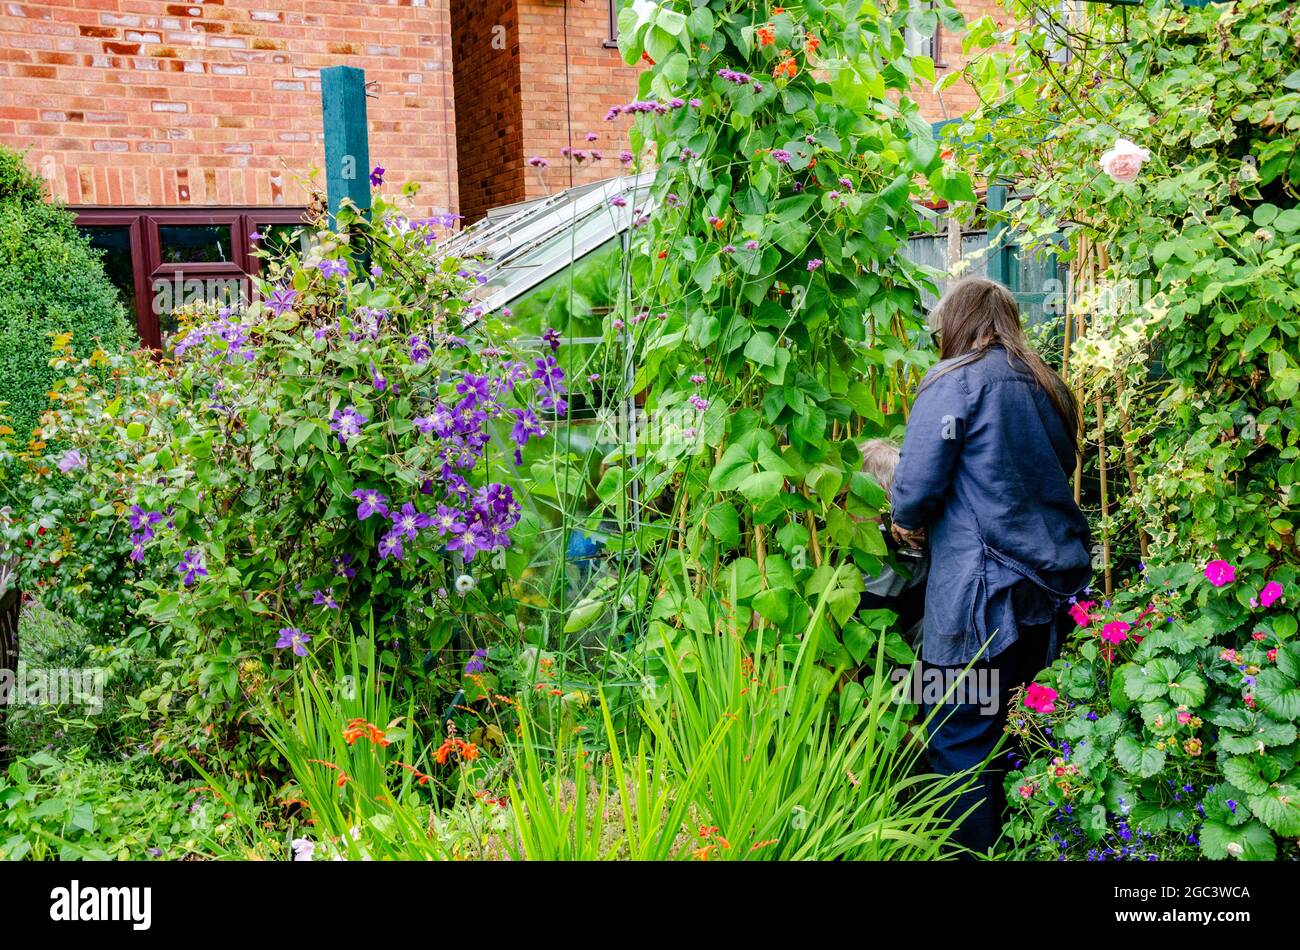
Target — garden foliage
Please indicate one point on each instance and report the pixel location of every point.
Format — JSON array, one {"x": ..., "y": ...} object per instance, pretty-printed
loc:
[
  {"x": 1164, "y": 147},
  {"x": 51, "y": 282}
]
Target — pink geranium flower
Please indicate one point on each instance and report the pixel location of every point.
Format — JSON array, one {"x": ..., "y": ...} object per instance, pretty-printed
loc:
[
  {"x": 1040, "y": 698},
  {"x": 1271, "y": 592},
  {"x": 1220, "y": 573},
  {"x": 1116, "y": 631}
]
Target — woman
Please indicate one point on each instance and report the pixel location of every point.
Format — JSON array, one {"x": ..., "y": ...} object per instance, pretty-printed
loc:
[{"x": 985, "y": 476}]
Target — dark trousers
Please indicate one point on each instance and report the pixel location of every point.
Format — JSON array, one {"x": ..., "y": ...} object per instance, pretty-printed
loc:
[{"x": 962, "y": 734}]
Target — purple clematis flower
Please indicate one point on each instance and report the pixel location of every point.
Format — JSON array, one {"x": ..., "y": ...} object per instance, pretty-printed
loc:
[
  {"x": 390, "y": 545},
  {"x": 191, "y": 566},
  {"x": 325, "y": 598},
  {"x": 343, "y": 567},
  {"x": 347, "y": 423},
  {"x": 475, "y": 389},
  {"x": 377, "y": 176},
  {"x": 331, "y": 267},
  {"x": 143, "y": 521},
  {"x": 408, "y": 522},
  {"x": 370, "y": 502},
  {"x": 448, "y": 521},
  {"x": 420, "y": 351},
  {"x": 292, "y": 637},
  {"x": 476, "y": 663},
  {"x": 470, "y": 541},
  {"x": 71, "y": 459},
  {"x": 281, "y": 301}
]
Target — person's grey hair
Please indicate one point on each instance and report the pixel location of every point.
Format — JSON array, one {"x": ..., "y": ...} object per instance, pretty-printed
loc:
[{"x": 880, "y": 458}]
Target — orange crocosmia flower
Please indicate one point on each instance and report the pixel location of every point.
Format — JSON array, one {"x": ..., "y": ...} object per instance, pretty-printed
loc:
[
  {"x": 702, "y": 854},
  {"x": 777, "y": 11},
  {"x": 464, "y": 751},
  {"x": 766, "y": 35}
]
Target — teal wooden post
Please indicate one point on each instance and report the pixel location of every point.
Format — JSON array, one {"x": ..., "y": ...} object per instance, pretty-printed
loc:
[
  {"x": 347, "y": 141},
  {"x": 1002, "y": 263}
]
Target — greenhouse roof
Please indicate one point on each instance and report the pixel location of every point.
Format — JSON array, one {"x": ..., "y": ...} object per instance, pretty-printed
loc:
[{"x": 523, "y": 244}]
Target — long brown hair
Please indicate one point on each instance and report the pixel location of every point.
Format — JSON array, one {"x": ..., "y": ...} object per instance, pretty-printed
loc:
[{"x": 977, "y": 313}]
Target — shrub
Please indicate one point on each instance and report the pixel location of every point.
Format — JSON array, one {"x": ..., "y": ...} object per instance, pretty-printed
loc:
[
  {"x": 68, "y": 807},
  {"x": 1172, "y": 732},
  {"x": 51, "y": 281}
]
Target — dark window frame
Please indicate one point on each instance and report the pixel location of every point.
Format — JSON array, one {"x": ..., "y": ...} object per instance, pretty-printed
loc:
[
  {"x": 147, "y": 265},
  {"x": 611, "y": 42}
]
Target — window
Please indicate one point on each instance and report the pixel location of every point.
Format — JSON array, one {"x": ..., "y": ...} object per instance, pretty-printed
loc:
[
  {"x": 611, "y": 41},
  {"x": 920, "y": 45},
  {"x": 159, "y": 259}
]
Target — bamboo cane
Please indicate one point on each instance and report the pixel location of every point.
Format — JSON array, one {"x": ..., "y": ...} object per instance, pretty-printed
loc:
[{"x": 1094, "y": 260}]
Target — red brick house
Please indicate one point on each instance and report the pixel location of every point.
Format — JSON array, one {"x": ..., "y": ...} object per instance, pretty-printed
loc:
[{"x": 175, "y": 129}]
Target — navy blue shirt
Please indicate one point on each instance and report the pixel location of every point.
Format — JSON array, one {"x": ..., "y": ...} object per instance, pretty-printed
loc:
[{"x": 985, "y": 469}]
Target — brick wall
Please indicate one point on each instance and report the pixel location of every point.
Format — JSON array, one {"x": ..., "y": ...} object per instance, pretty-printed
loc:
[
  {"x": 959, "y": 98},
  {"x": 489, "y": 122},
  {"x": 534, "y": 88},
  {"x": 149, "y": 102},
  {"x": 560, "y": 108}
]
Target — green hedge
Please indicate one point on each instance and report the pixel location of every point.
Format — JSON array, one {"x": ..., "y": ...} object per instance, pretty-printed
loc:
[{"x": 51, "y": 281}]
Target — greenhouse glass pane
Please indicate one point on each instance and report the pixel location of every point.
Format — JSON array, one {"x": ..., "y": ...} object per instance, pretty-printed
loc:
[{"x": 519, "y": 250}]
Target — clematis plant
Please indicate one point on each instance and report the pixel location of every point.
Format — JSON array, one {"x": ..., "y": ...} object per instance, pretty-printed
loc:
[{"x": 342, "y": 447}]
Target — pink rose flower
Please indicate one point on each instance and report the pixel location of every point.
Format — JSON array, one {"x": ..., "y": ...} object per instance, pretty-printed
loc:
[
  {"x": 1123, "y": 161},
  {"x": 1116, "y": 631},
  {"x": 1271, "y": 592},
  {"x": 1040, "y": 698},
  {"x": 1220, "y": 573}
]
